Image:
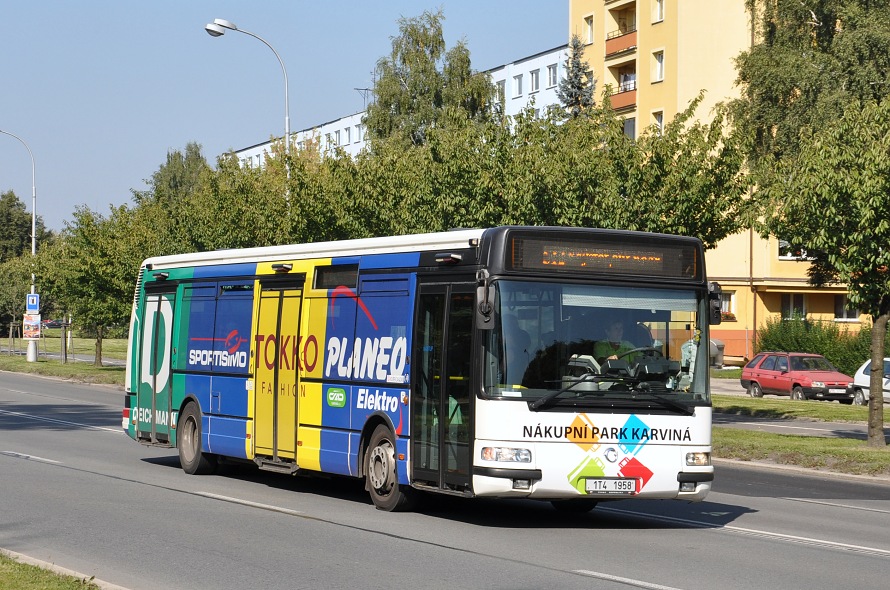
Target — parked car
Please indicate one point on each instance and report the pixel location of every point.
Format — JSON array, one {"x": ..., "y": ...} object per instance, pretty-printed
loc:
[
  {"x": 862, "y": 383},
  {"x": 798, "y": 375},
  {"x": 52, "y": 323}
]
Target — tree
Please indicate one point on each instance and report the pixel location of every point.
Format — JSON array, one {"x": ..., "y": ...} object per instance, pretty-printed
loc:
[
  {"x": 15, "y": 228},
  {"x": 575, "y": 91},
  {"x": 834, "y": 197},
  {"x": 812, "y": 60},
  {"x": 420, "y": 85}
]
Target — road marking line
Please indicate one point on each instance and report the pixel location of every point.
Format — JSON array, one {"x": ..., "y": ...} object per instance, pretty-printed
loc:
[
  {"x": 755, "y": 532},
  {"x": 28, "y": 457},
  {"x": 65, "y": 422},
  {"x": 836, "y": 505},
  {"x": 620, "y": 580},
  {"x": 269, "y": 507}
]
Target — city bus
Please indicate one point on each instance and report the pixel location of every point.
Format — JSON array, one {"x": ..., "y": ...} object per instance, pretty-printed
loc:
[{"x": 461, "y": 362}]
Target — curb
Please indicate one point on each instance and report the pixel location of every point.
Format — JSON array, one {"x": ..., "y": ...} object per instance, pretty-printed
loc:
[
  {"x": 878, "y": 479},
  {"x": 60, "y": 570}
]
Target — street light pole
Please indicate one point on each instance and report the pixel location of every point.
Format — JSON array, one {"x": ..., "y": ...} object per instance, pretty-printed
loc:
[
  {"x": 217, "y": 29},
  {"x": 32, "y": 344}
]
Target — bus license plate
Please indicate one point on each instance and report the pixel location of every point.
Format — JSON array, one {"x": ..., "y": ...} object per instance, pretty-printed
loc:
[{"x": 611, "y": 485}]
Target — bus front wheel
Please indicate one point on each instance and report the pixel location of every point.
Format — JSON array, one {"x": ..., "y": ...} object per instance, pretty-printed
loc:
[
  {"x": 188, "y": 441},
  {"x": 380, "y": 473}
]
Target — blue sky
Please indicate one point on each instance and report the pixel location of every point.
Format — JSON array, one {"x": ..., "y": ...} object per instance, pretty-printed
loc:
[{"x": 102, "y": 90}]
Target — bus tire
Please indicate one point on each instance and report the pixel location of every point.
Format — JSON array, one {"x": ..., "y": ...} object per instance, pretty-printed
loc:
[
  {"x": 188, "y": 441},
  {"x": 574, "y": 505},
  {"x": 381, "y": 480}
]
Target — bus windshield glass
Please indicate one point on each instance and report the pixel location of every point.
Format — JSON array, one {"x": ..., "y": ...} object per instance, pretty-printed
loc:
[{"x": 598, "y": 346}]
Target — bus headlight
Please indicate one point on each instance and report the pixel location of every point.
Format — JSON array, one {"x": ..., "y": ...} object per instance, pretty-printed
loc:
[
  {"x": 506, "y": 454},
  {"x": 698, "y": 459}
]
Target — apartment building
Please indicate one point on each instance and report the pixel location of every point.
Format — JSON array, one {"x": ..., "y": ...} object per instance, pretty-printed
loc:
[{"x": 528, "y": 81}]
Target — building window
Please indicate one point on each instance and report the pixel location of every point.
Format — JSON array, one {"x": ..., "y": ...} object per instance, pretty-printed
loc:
[
  {"x": 658, "y": 11},
  {"x": 794, "y": 306},
  {"x": 658, "y": 66},
  {"x": 630, "y": 127},
  {"x": 844, "y": 311},
  {"x": 551, "y": 76},
  {"x": 347, "y": 135},
  {"x": 358, "y": 133},
  {"x": 789, "y": 252},
  {"x": 727, "y": 313},
  {"x": 502, "y": 90},
  {"x": 337, "y": 137},
  {"x": 658, "y": 121},
  {"x": 517, "y": 85},
  {"x": 588, "y": 28},
  {"x": 534, "y": 80}
]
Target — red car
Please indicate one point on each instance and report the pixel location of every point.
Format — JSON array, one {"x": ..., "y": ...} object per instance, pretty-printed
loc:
[{"x": 798, "y": 375}]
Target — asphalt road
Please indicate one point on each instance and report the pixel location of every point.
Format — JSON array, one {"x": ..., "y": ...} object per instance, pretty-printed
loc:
[{"x": 76, "y": 492}]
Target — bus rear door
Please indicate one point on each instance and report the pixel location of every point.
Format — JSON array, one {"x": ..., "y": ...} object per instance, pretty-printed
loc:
[{"x": 154, "y": 395}]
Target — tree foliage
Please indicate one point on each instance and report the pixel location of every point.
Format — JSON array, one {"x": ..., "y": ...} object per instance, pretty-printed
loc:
[
  {"x": 15, "y": 228},
  {"x": 575, "y": 91},
  {"x": 834, "y": 197},
  {"x": 813, "y": 58},
  {"x": 421, "y": 85}
]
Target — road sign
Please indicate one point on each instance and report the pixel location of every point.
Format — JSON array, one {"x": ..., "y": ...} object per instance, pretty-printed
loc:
[{"x": 33, "y": 303}]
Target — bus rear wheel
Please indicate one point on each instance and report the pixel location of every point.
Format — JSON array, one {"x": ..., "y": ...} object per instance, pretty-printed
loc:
[
  {"x": 381, "y": 480},
  {"x": 188, "y": 441}
]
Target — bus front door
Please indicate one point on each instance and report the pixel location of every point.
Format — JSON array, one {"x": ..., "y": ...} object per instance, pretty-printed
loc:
[
  {"x": 154, "y": 396},
  {"x": 275, "y": 378},
  {"x": 442, "y": 404}
]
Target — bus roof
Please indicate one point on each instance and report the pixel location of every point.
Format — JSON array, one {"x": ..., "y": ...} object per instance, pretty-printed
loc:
[{"x": 457, "y": 239}]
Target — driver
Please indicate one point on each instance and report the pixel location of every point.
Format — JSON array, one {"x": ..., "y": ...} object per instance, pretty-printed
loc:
[{"x": 614, "y": 345}]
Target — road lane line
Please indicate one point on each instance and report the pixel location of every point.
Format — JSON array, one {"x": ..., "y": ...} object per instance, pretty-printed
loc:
[
  {"x": 65, "y": 422},
  {"x": 15, "y": 455},
  {"x": 620, "y": 580},
  {"x": 754, "y": 532},
  {"x": 231, "y": 500},
  {"x": 836, "y": 505}
]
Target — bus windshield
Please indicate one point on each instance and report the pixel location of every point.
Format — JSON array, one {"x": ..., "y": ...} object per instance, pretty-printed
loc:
[{"x": 598, "y": 346}]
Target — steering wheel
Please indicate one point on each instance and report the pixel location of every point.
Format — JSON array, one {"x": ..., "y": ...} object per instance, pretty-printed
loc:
[{"x": 646, "y": 350}]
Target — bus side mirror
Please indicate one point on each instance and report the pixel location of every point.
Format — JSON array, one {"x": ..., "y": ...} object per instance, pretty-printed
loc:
[
  {"x": 715, "y": 303},
  {"x": 484, "y": 307}
]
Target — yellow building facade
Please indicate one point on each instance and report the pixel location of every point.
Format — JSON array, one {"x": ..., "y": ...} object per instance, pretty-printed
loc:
[{"x": 656, "y": 56}]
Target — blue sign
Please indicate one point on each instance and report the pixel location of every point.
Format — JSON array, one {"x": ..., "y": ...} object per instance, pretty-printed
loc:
[{"x": 33, "y": 304}]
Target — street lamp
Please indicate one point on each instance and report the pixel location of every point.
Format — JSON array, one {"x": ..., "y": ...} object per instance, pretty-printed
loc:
[
  {"x": 32, "y": 344},
  {"x": 217, "y": 29}
]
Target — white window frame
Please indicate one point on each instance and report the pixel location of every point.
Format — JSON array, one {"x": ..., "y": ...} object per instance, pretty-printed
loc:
[
  {"x": 658, "y": 120},
  {"x": 657, "y": 11},
  {"x": 552, "y": 75},
  {"x": 534, "y": 81},
  {"x": 848, "y": 314},
  {"x": 347, "y": 135},
  {"x": 658, "y": 66},
  {"x": 588, "y": 29},
  {"x": 792, "y": 305},
  {"x": 517, "y": 85}
]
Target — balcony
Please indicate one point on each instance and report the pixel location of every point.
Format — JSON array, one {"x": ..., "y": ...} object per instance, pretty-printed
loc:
[
  {"x": 618, "y": 42},
  {"x": 626, "y": 97}
]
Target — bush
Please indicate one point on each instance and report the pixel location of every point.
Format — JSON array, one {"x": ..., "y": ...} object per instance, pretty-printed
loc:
[{"x": 845, "y": 349}]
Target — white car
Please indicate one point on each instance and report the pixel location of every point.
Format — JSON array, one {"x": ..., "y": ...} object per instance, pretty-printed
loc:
[{"x": 862, "y": 382}]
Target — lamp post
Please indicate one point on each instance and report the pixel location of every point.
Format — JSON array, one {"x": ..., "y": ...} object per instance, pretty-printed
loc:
[
  {"x": 217, "y": 29},
  {"x": 32, "y": 344}
]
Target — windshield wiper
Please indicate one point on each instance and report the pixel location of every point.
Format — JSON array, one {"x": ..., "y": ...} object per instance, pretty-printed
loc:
[
  {"x": 547, "y": 399},
  {"x": 663, "y": 401}
]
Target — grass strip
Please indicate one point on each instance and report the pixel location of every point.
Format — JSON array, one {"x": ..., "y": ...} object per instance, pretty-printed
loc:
[{"x": 15, "y": 575}]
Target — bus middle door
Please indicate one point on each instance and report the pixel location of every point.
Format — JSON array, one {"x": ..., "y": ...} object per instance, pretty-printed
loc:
[
  {"x": 275, "y": 412},
  {"x": 442, "y": 400}
]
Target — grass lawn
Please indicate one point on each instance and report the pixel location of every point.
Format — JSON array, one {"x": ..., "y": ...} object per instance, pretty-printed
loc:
[{"x": 22, "y": 576}]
